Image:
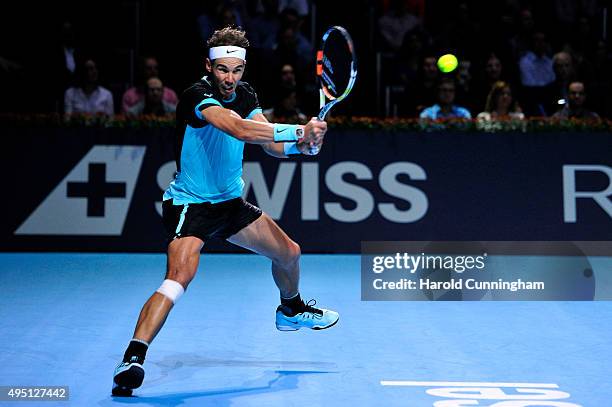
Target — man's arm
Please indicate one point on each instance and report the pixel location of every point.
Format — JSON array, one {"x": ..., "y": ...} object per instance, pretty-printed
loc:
[
  {"x": 260, "y": 131},
  {"x": 249, "y": 131},
  {"x": 273, "y": 149}
]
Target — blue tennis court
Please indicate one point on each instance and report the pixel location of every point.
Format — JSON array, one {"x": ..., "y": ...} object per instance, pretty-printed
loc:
[{"x": 66, "y": 319}]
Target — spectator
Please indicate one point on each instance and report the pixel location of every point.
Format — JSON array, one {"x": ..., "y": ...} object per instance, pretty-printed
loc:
[
  {"x": 286, "y": 108},
  {"x": 423, "y": 91},
  {"x": 206, "y": 20},
  {"x": 88, "y": 96},
  {"x": 217, "y": 14},
  {"x": 136, "y": 94},
  {"x": 536, "y": 69},
  {"x": 153, "y": 103},
  {"x": 287, "y": 50},
  {"x": 229, "y": 16},
  {"x": 520, "y": 43},
  {"x": 564, "y": 74},
  {"x": 563, "y": 67},
  {"x": 582, "y": 43},
  {"x": 290, "y": 19},
  {"x": 500, "y": 104},
  {"x": 536, "y": 66},
  {"x": 301, "y": 7},
  {"x": 62, "y": 65},
  {"x": 493, "y": 70},
  {"x": 463, "y": 82},
  {"x": 395, "y": 23},
  {"x": 574, "y": 108},
  {"x": 445, "y": 108},
  {"x": 263, "y": 28},
  {"x": 287, "y": 76},
  {"x": 492, "y": 73},
  {"x": 411, "y": 54},
  {"x": 463, "y": 33}
]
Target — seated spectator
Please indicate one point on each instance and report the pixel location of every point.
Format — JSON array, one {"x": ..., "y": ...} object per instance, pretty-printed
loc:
[
  {"x": 536, "y": 66},
  {"x": 537, "y": 73},
  {"x": 521, "y": 41},
  {"x": 486, "y": 77},
  {"x": 136, "y": 94},
  {"x": 395, "y": 23},
  {"x": 287, "y": 51},
  {"x": 574, "y": 108},
  {"x": 463, "y": 82},
  {"x": 289, "y": 18},
  {"x": 286, "y": 108},
  {"x": 300, "y": 6},
  {"x": 411, "y": 54},
  {"x": 421, "y": 92},
  {"x": 87, "y": 96},
  {"x": 153, "y": 103},
  {"x": 500, "y": 104},
  {"x": 216, "y": 14},
  {"x": 262, "y": 28},
  {"x": 287, "y": 76},
  {"x": 445, "y": 108},
  {"x": 564, "y": 74}
]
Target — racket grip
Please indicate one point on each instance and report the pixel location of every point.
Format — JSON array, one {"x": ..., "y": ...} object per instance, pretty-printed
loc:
[{"x": 314, "y": 150}]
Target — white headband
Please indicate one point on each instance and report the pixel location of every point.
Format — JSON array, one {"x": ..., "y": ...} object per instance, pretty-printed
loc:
[{"x": 228, "y": 51}]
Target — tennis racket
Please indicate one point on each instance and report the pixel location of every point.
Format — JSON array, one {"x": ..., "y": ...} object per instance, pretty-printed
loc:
[{"x": 336, "y": 69}]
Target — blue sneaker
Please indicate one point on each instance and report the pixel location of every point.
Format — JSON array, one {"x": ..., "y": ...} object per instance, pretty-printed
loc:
[
  {"x": 307, "y": 317},
  {"x": 128, "y": 376}
]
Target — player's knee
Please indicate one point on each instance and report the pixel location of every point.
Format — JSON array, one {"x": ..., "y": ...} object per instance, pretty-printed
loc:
[
  {"x": 182, "y": 264},
  {"x": 183, "y": 273},
  {"x": 171, "y": 289},
  {"x": 291, "y": 254}
]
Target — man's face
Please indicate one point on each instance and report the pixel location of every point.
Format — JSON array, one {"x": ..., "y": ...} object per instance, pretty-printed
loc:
[
  {"x": 287, "y": 38},
  {"x": 539, "y": 44},
  {"x": 504, "y": 98},
  {"x": 151, "y": 68},
  {"x": 226, "y": 72},
  {"x": 563, "y": 66},
  {"x": 576, "y": 95},
  {"x": 91, "y": 71},
  {"x": 288, "y": 75},
  {"x": 430, "y": 70},
  {"x": 155, "y": 90},
  {"x": 493, "y": 68},
  {"x": 446, "y": 94},
  {"x": 463, "y": 73}
]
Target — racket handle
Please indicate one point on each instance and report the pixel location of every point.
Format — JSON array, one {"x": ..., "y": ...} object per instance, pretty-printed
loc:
[
  {"x": 314, "y": 150},
  {"x": 320, "y": 117}
]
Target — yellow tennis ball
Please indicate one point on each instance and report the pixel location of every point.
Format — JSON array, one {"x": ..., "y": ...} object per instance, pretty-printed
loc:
[{"x": 447, "y": 63}]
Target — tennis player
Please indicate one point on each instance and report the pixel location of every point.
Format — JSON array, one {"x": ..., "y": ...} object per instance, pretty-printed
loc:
[{"x": 215, "y": 117}]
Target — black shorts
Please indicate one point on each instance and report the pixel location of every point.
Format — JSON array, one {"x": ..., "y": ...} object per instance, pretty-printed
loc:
[{"x": 208, "y": 220}]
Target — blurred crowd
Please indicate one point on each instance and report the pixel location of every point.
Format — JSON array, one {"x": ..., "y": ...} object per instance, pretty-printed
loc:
[{"x": 517, "y": 59}]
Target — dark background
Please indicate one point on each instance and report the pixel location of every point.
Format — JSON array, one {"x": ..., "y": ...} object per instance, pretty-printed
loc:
[{"x": 117, "y": 33}]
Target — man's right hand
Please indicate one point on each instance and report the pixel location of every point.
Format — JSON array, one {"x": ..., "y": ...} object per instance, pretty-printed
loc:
[{"x": 311, "y": 142}]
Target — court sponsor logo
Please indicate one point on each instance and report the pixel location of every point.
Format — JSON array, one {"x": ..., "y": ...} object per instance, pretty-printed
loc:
[
  {"x": 93, "y": 199},
  {"x": 572, "y": 194},
  {"x": 490, "y": 394},
  {"x": 272, "y": 200}
]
